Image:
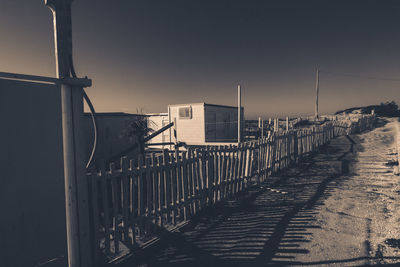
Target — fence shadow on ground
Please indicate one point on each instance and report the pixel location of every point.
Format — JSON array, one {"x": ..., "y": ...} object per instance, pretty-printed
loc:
[{"x": 266, "y": 226}]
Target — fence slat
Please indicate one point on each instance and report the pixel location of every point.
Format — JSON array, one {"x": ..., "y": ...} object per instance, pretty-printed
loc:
[
  {"x": 141, "y": 195},
  {"x": 106, "y": 209},
  {"x": 134, "y": 199},
  {"x": 115, "y": 205},
  {"x": 125, "y": 199},
  {"x": 94, "y": 190},
  {"x": 184, "y": 185}
]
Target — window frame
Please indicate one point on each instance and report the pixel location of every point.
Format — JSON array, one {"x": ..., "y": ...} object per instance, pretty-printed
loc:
[{"x": 190, "y": 113}]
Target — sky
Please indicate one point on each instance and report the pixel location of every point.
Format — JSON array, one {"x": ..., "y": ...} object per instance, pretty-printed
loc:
[{"x": 144, "y": 55}]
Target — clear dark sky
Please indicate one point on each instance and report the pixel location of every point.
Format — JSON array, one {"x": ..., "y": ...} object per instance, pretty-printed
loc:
[{"x": 148, "y": 54}]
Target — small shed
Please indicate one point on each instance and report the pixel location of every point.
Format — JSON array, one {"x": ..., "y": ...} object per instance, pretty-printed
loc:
[{"x": 204, "y": 124}]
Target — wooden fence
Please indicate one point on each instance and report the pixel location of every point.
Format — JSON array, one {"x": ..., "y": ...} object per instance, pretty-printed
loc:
[{"x": 131, "y": 204}]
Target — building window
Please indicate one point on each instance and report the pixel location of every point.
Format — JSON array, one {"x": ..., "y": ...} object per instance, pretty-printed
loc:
[{"x": 185, "y": 113}]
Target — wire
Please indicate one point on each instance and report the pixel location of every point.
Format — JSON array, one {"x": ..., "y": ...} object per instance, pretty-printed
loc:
[
  {"x": 92, "y": 113},
  {"x": 361, "y": 76}
]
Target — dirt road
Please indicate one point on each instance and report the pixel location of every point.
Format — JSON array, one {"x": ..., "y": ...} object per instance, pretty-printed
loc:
[
  {"x": 340, "y": 207},
  {"x": 358, "y": 222}
]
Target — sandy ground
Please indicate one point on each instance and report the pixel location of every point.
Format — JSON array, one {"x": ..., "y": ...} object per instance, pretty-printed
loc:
[
  {"x": 340, "y": 207},
  {"x": 357, "y": 223}
]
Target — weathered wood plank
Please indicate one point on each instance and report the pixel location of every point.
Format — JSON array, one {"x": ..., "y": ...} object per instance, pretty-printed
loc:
[
  {"x": 184, "y": 185},
  {"x": 115, "y": 206},
  {"x": 189, "y": 185},
  {"x": 161, "y": 190},
  {"x": 93, "y": 179},
  {"x": 125, "y": 200},
  {"x": 134, "y": 199},
  {"x": 168, "y": 186},
  {"x": 141, "y": 194},
  {"x": 106, "y": 209}
]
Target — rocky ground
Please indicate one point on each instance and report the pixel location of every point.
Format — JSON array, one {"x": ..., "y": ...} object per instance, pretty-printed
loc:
[{"x": 340, "y": 207}]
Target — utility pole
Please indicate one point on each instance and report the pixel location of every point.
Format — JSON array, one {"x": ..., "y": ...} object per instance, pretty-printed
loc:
[
  {"x": 261, "y": 126},
  {"x": 317, "y": 92},
  {"x": 75, "y": 182},
  {"x": 287, "y": 124},
  {"x": 239, "y": 113}
]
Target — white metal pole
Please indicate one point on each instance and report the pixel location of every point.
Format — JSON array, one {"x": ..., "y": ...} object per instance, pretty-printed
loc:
[
  {"x": 262, "y": 128},
  {"x": 317, "y": 93},
  {"x": 287, "y": 124},
  {"x": 176, "y": 131},
  {"x": 75, "y": 182},
  {"x": 239, "y": 114}
]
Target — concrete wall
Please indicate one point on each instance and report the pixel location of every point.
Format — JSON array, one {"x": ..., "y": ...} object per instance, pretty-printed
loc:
[{"x": 32, "y": 203}]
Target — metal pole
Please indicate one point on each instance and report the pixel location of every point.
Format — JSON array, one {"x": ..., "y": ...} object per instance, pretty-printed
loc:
[
  {"x": 317, "y": 92},
  {"x": 176, "y": 131},
  {"x": 76, "y": 200},
  {"x": 287, "y": 124},
  {"x": 262, "y": 128},
  {"x": 239, "y": 114}
]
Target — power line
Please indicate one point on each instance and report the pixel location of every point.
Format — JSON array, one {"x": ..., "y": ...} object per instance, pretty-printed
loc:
[{"x": 361, "y": 76}]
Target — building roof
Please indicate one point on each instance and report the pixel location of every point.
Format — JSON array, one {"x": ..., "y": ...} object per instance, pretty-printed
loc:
[
  {"x": 115, "y": 114},
  {"x": 157, "y": 114},
  {"x": 203, "y": 104}
]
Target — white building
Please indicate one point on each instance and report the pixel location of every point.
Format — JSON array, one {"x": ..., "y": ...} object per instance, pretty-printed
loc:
[{"x": 198, "y": 124}]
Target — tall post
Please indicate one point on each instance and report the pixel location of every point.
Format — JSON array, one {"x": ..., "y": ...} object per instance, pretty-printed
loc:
[
  {"x": 317, "y": 93},
  {"x": 239, "y": 114},
  {"x": 75, "y": 182},
  {"x": 176, "y": 132},
  {"x": 287, "y": 124},
  {"x": 262, "y": 128}
]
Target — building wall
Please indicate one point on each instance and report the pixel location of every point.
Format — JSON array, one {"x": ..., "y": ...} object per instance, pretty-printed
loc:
[
  {"x": 111, "y": 139},
  {"x": 190, "y": 131},
  {"x": 32, "y": 202},
  {"x": 221, "y": 123},
  {"x": 209, "y": 123}
]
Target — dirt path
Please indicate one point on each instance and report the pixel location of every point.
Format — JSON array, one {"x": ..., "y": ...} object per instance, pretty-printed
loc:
[
  {"x": 359, "y": 221},
  {"x": 336, "y": 208}
]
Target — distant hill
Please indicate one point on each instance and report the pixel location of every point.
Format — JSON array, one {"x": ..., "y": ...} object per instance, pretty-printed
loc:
[{"x": 387, "y": 109}]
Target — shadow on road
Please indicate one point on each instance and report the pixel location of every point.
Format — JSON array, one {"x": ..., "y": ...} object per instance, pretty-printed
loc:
[{"x": 263, "y": 227}]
